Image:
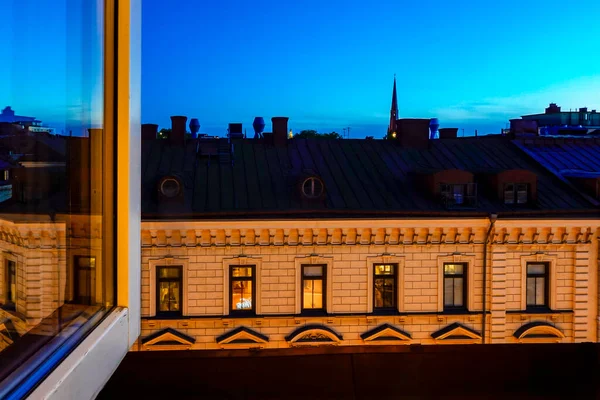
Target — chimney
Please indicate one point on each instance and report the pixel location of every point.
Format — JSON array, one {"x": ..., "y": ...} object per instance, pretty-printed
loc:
[
  {"x": 149, "y": 131},
  {"x": 448, "y": 133},
  {"x": 177, "y": 130},
  {"x": 280, "y": 131},
  {"x": 413, "y": 133}
]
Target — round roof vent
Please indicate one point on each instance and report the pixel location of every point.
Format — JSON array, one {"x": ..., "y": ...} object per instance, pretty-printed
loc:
[
  {"x": 312, "y": 187},
  {"x": 170, "y": 187}
]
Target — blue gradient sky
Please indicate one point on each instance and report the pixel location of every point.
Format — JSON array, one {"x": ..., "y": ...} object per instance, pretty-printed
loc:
[
  {"x": 330, "y": 64},
  {"x": 325, "y": 64}
]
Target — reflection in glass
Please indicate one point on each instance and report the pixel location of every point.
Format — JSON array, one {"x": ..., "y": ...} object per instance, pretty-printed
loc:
[{"x": 56, "y": 186}]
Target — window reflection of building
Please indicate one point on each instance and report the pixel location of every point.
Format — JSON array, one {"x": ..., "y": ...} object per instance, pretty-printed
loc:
[
  {"x": 11, "y": 285},
  {"x": 242, "y": 289},
  {"x": 169, "y": 288},
  {"x": 84, "y": 280}
]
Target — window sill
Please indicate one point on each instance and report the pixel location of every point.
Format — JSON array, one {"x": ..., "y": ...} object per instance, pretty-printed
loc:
[
  {"x": 85, "y": 371},
  {"x": 541, "y": 311}
]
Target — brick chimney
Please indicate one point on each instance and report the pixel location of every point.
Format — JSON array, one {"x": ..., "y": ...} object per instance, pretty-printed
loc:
[
  {"x": 280, "y": 131},
  {"x": 413, "y": 133},
  {"x": 448, "y": 133},
  {"x": 177, "y": 130},
  {"x": 149, "y": 131}
]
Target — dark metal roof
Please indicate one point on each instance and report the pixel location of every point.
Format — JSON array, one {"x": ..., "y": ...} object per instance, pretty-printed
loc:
[
  {"x": 565, "y": 157},
  {"x": 565, "y": 154},
  {"x": 366, "y": 177}
]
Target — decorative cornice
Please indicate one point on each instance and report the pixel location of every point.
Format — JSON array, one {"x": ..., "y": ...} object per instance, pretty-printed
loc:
[{"x": 361, "y": 236}]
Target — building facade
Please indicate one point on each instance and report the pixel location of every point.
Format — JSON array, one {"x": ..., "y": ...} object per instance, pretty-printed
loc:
[{"x": 354, "y": 242}]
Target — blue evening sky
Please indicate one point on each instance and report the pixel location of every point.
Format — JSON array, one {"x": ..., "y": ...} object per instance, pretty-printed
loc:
[
  {"x": 330, "y": 64},
  {"x": 326, "y": 64}
]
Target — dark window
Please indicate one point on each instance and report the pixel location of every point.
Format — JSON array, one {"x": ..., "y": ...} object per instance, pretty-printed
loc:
[
  {"x": 243, "y": 287},
  {"x": 84, "y": 280},
  {"x": 384, "y": 287},
  {"x": 169, "y": 293},
  {"x": 459, "y": 195},
  {"x": 537, "y": 285},
  {"x": 313, "y": 288},
  {"x": 10, "y": 300},
  {"x": 516, "y": 193},
  {"x": 455, "y": 286}
]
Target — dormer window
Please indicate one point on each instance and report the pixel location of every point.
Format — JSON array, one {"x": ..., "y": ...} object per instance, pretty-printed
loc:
[
  {"x": 514, "y": 187},
  {"x": 459, "y": 195},
  {"x": 516, "y": 193},
  {"x": 312, "y": 187}
]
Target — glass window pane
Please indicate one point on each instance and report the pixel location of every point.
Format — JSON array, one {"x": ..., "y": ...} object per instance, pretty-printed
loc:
[
  {"x": 313, "y": 294},
  {"x": 509, "y": 193},
  {"x": 522, "y": 193},
  {"x": 241, "y": 271},
  {"x": 241, "y": 295},
  {"x": 540, "y": 299},
  {"x": 384, "y": 269},
  {"x": 314, "y": 270},
  {"x": 448, "y": 292},
  {"x": 174, "y": 300},
  {"x": 530, "y": 291},
  {"x": 388, "y": 292},
  {"x": 378, "y": 291},
  {"x": 174, "y": 272},
  {"x": 164, "y": 296},
  {"x": 458, "y": 292},
  {"x": 536, "y": 269},
  {"x": 458, "y": 193},
  {"x": 453, "y": 269},
  {"x": 56, "y": 152}
]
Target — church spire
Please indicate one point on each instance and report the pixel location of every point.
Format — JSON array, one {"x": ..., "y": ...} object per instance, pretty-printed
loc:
[{"x": 394, "y": 110}]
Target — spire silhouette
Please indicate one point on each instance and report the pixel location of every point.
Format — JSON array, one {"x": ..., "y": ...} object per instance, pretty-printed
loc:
[{"x": 393, "y": 110}]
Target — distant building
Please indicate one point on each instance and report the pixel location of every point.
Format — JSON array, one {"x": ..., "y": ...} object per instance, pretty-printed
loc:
[
  {"x": 292, "y": 243},
  {"x": 29, "y": 123},
  {"x": 554, "y": 121}
]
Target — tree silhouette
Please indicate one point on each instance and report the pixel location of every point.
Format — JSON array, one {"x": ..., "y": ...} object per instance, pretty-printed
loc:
[{"x": 310, "y": 134}]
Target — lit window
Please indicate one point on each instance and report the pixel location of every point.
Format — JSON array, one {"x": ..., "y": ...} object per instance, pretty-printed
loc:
[
  {"x": 243, "y": 285},
  {"x": 455, "y": 286},
  {"x": 312, "y": 188},
  {"x": 313, "y": 288},
  {"x": 6, "y": 175},
  {"x": 169, "y": 291},
  {"x": 537, "y": 285},
  {"x": 384, "y": 287},
  {"x": 516, "y": 193}
]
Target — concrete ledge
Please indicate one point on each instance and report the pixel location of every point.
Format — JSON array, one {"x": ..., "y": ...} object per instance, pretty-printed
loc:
[{"x": 87, "y": 369}]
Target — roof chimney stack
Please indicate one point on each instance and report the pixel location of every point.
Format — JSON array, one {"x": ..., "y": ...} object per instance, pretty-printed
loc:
[
  {"x": 177, "y": 129},
  {"x": 149, "y": 131},
  {"x": 280, "y": 131},
  {"x": 413, "y": 133}
]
